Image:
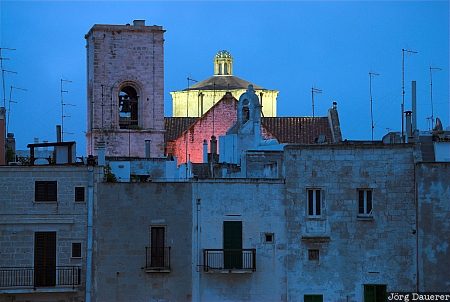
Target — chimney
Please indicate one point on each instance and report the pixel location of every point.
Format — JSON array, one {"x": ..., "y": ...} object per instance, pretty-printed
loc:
[
  {"x": 147, "y": 148},
  {"x": 58, "y": 133},
  {"x": 100, "y": 147},
  {"x": 409, "y": 133},
  {"x": 138, "y": 22},
  {"x": 2, "y": 136},
  {"x": 213, "y": 142},
  {"x": 205, "y": 151},
  {"x": 10, "y": 147},
  {"x": 414, "y": 107}
]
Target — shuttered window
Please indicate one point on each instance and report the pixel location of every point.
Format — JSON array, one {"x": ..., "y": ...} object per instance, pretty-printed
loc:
[
  {"x": 79, "y": 194},
  {"x": 45, "y": 191}
]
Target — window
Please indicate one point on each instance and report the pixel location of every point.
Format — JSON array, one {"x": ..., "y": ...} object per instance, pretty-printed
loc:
[
  {"x": 313, "y": 298},
  {"x": 45, "y": 191},
  {"x": 269, "y": 237},
  {"x": 76, "y": 250},
  {"x": 157, "y": 249},
  {"x": 375, "y": 293},
  {"x": 313, "y": 255},
  {"x": 314, "y": 202},
  {"x": 128, "y": 108},
  {"x": 365, "y": 202},
  {"x": 79, "y": 194}
]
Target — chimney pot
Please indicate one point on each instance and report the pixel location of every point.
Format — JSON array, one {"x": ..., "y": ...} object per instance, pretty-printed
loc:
[{"x": 138, "y": 22}]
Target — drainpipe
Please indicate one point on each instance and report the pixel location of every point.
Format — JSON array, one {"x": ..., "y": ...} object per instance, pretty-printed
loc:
[{"x": 90, "y": 213}]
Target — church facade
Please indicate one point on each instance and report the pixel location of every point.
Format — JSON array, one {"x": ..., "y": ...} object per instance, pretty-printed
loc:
[{"x": 196, "y": 100}]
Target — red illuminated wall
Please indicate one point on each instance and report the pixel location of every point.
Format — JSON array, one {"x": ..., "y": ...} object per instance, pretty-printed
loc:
[{"x": 224, "y": 116}]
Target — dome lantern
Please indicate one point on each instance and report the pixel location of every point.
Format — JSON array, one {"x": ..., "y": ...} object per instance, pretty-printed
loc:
[{"x": 223, "y": 63}]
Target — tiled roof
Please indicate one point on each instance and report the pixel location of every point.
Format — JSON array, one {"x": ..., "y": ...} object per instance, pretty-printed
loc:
[
  {"x": 298, "y": 130},
  {"x": 293, "y": 130},
  {"x": 219, "y": 82},
  {"x": 176, "y": 125}
]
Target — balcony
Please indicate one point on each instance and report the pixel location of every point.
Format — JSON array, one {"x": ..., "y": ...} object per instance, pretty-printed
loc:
[
  {"x": 59, "y": 278},
  {"x": 229, "y": 261},
  {"x": 157, "y": 259}
]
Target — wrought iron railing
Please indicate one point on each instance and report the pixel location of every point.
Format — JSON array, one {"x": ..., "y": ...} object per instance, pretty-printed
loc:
[
  {"x": 40, "y": 277},
  {"x": 229, "y": 259},
  {"x": 157, "y": 258}
]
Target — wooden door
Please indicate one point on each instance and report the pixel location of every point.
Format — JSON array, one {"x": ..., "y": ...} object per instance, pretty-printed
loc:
[
  {"x": 232, "y": 244},
  {"x": 157, "y": 247},
  {"x": 45, "y": 259}
]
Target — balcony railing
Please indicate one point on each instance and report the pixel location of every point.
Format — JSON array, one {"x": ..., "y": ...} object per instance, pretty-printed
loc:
[
  {"x": 229, "y": 260},
  {"x": 24, "y": 277},
  {"x": 157, "y": 259}
]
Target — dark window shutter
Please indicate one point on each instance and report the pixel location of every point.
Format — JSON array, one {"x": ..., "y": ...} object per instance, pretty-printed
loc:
[
  {"x": 79, "y": 194},
  {"x": 317, "y": 202},
  {"x": 45, "y": 191},
  {"x": 310, "y": 202}
]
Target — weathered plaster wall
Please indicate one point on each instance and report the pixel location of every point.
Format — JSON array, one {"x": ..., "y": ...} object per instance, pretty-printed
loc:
[
  {"x": 259, "y": 204},
  {"x": 433, "y": 196},
  {"x": 124, "y": 214},
  {"x": 21, "y": 217},
  {"x": 353, "y": 251}
]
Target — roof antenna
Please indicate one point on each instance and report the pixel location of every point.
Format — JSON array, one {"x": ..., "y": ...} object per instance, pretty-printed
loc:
[
  {"x": 187, "y": 116},
  {"x": 62, "y": 91},
  {"x": 313, "y": 91},
  {"x": 408, "y": 51},
  {"x": 431, "y": 93},
  {"x": 9, "y": 104},
  {"x": 371, "y": 74},
  {"x": 3, "y": 72},
  {"x": 213, "y": 107}
]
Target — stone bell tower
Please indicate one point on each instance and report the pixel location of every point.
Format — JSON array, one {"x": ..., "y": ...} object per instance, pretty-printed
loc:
[{"x": 125, "y": 93}]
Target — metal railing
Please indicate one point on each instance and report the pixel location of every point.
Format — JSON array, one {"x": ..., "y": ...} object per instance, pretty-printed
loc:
[
  {"x": 40, "y": 277},
  {"x": 229, "y": 259},
  {"x": 157, "y": 258}
]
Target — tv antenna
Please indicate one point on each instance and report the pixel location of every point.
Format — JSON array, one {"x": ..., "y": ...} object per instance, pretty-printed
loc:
[
  {"x": 9, "y": 103},
  {"x": 4, "y": 71},
  {"x": 189, "y": 80},
  {"x": 407, "y": 51},
  {"x": 313, "y": 91},
  {"x": 63, "y": 104},
  {"x": 431, "y": 93},
  {"x": 371, "y": 75}
]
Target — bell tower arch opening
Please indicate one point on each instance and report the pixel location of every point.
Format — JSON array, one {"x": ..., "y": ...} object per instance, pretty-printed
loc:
[{"x": 128, "y": 107}]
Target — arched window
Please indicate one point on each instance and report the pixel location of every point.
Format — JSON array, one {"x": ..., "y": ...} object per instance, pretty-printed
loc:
[
  {"x": 245, "y": 111},
  {"x": 128, "y": 108},
  {"x": 226, "y": 69}
]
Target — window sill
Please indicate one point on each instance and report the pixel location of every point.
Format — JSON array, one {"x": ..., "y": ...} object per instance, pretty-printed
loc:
[
  {"x": 45, "y": 202},
  {"x": 362, "y": 217},
  {"x": 319, "y": 218}
]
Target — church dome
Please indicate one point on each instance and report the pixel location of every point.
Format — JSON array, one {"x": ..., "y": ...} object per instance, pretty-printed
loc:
[{"x": 222, "y": 54}]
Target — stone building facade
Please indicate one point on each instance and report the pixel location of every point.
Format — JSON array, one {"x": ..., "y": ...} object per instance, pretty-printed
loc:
[
  {"x": 44, "y": 232},
  {"x": 433, "y": 225},
  {"x": 125, "y": 75},
  {"x": 143, "y": 235},
  {"x": 351, "y": 221}
]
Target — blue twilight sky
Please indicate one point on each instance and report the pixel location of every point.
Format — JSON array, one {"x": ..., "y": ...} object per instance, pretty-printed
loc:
[{"x": 289, "y": 46}]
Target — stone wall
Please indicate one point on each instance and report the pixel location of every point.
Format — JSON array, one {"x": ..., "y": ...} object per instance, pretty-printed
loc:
[
  {"x": 259, "y": 204},
  {"x": 433, "y": 197},
  {"x": 22, "y": 216},
  {"x": 121, "y": 55},
  {"x": 124, "y": 214},
  {"x": 353, "y": 250}
]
